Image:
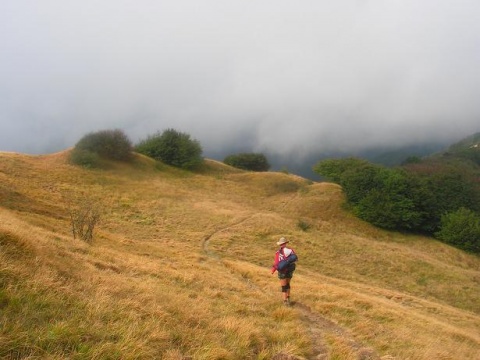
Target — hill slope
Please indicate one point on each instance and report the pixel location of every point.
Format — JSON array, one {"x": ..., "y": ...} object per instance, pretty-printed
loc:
[
  {"x": 179, "y": 269},
  {"x": 468, "y": 148}
]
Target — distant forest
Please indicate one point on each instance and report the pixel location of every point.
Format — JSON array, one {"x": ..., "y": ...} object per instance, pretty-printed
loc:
[{"x": 437, "y": 195}]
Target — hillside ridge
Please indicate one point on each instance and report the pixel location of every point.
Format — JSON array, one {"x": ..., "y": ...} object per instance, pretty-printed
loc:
[{"x": 179, "y": 269}]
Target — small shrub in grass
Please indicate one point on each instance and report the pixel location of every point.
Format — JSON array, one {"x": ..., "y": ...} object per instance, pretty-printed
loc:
[
  {"x": 286, "y": 186},
  {"x": 303, "y": 225},
  {"x": 84, "y": 218},
  {"x": 84, "y": 214}
]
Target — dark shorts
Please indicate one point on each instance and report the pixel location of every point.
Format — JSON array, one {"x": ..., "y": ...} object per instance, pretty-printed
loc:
[{"x": 287, "y": 274}]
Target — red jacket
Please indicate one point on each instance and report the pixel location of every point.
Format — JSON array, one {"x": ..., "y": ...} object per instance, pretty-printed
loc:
[{"x": 280, "y": 255}]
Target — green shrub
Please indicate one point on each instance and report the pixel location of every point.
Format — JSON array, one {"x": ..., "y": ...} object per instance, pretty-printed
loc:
[
  {"x": 84, "y": 158},
  {"x": 461, "y": 228},
  {"x": 388, "y": 204},
  {"x": 109, "y": 144},
  {"x": 173, "y": 148},
  {"x": 358, "y": 181},
  {"x": 334, "y": 169},
  {"x": 442, "y": 188},
  {"x": 248, "y": 161}
]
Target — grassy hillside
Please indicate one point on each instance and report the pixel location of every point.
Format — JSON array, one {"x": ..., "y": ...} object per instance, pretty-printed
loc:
[
  {"x": 470, "y": 142},
  {"x": 179, "y": 269},
  {"x": 468, "y": 148}
]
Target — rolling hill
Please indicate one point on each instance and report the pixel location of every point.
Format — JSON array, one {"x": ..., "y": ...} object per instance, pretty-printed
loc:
[{"x": 179, "y": 269}]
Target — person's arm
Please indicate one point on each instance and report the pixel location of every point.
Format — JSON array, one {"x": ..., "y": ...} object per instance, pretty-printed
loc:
[{"x": 275, "y": 264}]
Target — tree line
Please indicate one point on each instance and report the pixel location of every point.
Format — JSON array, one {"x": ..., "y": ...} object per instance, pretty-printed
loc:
[
  {"x": 171, "y": 147},
  {"x": 439, "y": 197}
]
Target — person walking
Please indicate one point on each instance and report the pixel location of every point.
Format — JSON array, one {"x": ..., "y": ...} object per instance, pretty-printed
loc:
[{"x": 285, "y": 274}]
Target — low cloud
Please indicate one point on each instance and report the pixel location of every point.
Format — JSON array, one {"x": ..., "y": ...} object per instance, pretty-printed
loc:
[{"x": 276, "y": 76}]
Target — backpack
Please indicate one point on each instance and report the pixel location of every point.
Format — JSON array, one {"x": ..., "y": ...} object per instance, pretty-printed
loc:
[{"x": 287, "y": 263}]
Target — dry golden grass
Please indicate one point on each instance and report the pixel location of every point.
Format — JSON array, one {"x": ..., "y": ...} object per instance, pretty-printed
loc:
[{"x": 179, "y": 269}]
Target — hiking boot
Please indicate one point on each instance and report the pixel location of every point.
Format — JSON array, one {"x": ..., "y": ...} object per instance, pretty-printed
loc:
[{"x": 286, "y": 302}]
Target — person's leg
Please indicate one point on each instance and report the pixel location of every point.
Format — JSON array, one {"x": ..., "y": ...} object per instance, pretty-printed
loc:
[{"x": 285, "y": 291}]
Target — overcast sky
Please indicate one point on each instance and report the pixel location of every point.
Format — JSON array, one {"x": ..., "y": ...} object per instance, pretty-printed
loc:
[{"x": 278, "y": 76}]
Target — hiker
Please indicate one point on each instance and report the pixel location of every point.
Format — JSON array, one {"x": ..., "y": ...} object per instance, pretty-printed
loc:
[{"x": 286, "y": 274}]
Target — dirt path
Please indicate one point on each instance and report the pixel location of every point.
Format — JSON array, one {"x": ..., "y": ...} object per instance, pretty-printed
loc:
[
  {"x": 319, "y": 326},
  {"x": 206, "y": 240}
]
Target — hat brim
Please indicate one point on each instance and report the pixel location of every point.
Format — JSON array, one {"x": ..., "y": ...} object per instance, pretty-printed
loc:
[{"x": 281, "y": 242}]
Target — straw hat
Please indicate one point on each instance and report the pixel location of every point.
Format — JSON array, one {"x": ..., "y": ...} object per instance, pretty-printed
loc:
[{"x": 282, "y": 241}]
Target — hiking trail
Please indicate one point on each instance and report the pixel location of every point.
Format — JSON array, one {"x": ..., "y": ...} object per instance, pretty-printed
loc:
[
  {"x": 316, "y": 325},
  {"x": 319, "y": 326}
]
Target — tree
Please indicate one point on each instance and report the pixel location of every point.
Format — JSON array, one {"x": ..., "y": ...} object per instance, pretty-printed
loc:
[
  {"x": 473, "y": 154},
  {"x": 248, "y": 161},
  {"x": 461, "y": 228},
  {"x": 109, "y": 144},
  {"x": 411, "y": 160},
  {"x": 359, "y": 180},
  {"x": 442, "y": 187},
  {"x": 412, "y": 197},
  {"x": 173, "y": 148},
  {"x": 333, "y": 169},
  {"x": 390, "y": 204}
]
